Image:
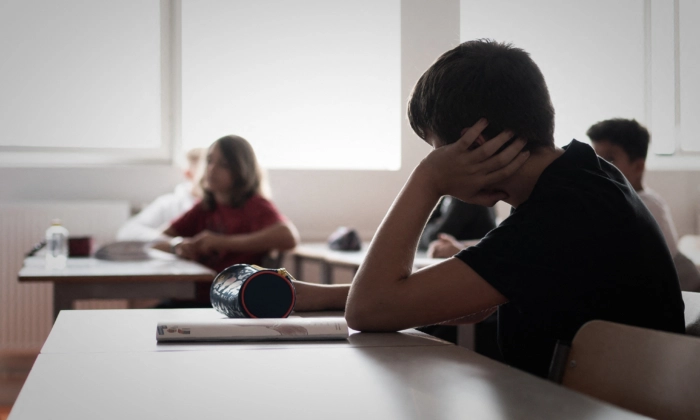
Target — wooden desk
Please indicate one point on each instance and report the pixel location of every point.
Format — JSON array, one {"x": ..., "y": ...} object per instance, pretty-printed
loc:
[
  {"x": 320, "y": 253},
  {"x": 162, "y": 276},
  {"x": 292, "y": 382}
]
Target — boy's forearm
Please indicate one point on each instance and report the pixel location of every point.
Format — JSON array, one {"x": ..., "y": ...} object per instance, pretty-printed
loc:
[
  {"x": 392, "y": 251},
  {"x": 473, "y": 318},
  {"x": 320, "y": 297}
]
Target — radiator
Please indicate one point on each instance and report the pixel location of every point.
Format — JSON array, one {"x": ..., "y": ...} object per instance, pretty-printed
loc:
[{"x": 26, "y": 310}]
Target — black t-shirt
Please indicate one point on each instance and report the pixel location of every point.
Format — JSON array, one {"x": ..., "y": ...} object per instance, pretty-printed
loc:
[
  {"x": 462, "y": 220},
  {"x": 582, "y": 247}
]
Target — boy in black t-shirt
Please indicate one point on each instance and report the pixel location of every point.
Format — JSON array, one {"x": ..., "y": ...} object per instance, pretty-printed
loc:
[{"x": 579, "y": 244}]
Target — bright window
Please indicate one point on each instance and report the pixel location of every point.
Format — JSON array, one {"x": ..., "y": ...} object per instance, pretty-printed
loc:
[
  {"x": 81, "y": 76},
  {"x": 590, "y": 52},
  {"x": 312, "y": 84}
]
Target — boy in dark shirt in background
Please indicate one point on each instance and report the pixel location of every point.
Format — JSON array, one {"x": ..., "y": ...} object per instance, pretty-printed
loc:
[{"x": 579, "y": 244}]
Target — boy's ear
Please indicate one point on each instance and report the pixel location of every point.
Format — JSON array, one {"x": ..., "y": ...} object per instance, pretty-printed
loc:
[
  {"x": 478, "y": 142},
  {"x": 639, "y": 165}
]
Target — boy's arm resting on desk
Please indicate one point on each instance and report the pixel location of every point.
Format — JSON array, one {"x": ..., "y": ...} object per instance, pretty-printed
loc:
[
  {"x": 320, "y": 297},
  {"x": 385, "y": 295},
  {"x": 474, "y": 318}
]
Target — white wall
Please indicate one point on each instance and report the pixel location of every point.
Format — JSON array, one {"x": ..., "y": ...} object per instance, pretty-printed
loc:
[{"x": 319, "y": 201}]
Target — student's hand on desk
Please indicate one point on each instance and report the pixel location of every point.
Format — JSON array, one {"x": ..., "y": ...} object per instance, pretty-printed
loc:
[
  {"x": 444, "y": 247},
  {"x": 208, "y": 242},
  {"x": 468, "y": 168},
  {"x": 187, "y": 250}
]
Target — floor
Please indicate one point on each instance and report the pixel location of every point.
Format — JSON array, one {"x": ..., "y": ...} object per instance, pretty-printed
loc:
[{"x": 14, "y": 368}]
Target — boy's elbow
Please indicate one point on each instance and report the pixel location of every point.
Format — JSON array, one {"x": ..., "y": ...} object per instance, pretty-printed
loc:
[
  {"x": 361, "y": 317},
  {"x": 356, "y": 320}
]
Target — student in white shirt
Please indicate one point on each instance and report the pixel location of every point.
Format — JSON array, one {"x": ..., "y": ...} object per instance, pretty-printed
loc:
[
  {"x": 624, "y": 143},
  {"x": 150, "y": 222}
]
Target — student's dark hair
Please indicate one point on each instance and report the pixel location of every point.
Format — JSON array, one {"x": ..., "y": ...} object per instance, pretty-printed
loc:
[
  {"x": 483, "y": 78},
  {"x": 243, "y": 166},
  {"x": 631, "y": 136}
]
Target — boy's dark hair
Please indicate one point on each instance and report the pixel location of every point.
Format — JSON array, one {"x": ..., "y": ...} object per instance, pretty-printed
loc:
[
  {"x": 631, "y": 136},
  {"x": 245, "y": 171},
  {"x": 483, "y": 78}
]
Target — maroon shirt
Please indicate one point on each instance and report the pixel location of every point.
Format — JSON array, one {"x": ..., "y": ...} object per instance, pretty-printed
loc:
[{"x": 256, "y": 214}]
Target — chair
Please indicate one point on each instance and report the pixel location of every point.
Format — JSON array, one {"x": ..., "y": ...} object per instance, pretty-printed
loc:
[
  {"x": 650, "y": 372},
  {"x": 692, "y": 313}
]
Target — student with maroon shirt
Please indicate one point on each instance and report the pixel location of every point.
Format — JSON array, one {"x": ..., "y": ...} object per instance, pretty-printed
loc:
[{"x": 234, "y": 223}]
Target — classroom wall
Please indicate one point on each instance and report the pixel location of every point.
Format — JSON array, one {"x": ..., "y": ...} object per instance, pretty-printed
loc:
[
  {"x": 317, "y": 202},
  {"x": 320, "y": 201}
]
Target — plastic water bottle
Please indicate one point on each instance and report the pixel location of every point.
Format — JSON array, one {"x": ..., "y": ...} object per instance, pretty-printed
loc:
[{"x": 56, "y": 246}]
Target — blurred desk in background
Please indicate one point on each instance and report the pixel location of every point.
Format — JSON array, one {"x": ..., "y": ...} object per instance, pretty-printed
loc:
[
  {"x": 163, "y": 276},
  {"x": 329, "y": 259},
  {"x": 690, "y": 246}
]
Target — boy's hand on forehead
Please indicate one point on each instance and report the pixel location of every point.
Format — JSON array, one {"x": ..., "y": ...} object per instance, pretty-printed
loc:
[{"x": 468, "y": 171}]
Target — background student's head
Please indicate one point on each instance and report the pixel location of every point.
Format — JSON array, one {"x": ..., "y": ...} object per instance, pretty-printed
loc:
[
  {"x": 232, "y": 174},
  {"x": 624, "y": 143},
  {"x": 194, "y": 158},
  {"x": 194, "y": 169},
  {"x": 483, "y": 78}
]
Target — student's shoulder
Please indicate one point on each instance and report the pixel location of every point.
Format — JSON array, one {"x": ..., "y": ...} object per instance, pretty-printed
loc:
[
  {"x": 258, "y": 203},
  {"x": 197, "y": 210},
  {"x": 651, "y": 197},
  {"x": 562, "y": 212},
  {"x": 257, "y": 200}
]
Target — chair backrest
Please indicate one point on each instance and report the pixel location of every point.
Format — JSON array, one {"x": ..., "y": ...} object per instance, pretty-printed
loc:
[
  {"x": 692, "y": 313},
  {"x": 650, "y": 372}
]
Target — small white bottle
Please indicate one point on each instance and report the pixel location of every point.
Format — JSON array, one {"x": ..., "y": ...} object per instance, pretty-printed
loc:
[{"x": 56, "y": 246}]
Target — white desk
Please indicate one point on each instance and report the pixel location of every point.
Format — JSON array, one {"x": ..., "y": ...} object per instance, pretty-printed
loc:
[
  {"x": 329, "y": 259},
  {"x": 690, "y": 246},
  {"x": 134, "y": 330},
  {"x": 163, "y": 276},
  {"x": 297, "y": 381}
]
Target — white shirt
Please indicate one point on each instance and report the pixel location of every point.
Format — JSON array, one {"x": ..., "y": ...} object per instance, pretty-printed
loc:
[
  {"x": 661, "y": 212},
  {"x": 157, "y": 216},
  {"x": 688, "y": 274}
]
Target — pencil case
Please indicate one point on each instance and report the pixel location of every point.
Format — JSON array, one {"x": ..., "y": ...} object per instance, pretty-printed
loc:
[{"x": 251, "y": 291}]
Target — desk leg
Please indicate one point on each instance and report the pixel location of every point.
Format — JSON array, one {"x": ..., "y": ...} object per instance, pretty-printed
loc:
[
  {"x": 326, "y": 273},
  {"x": 298, "y": 268},
  {"x": 465, "y": 336},
  {"x": 61, "y": 300}
]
